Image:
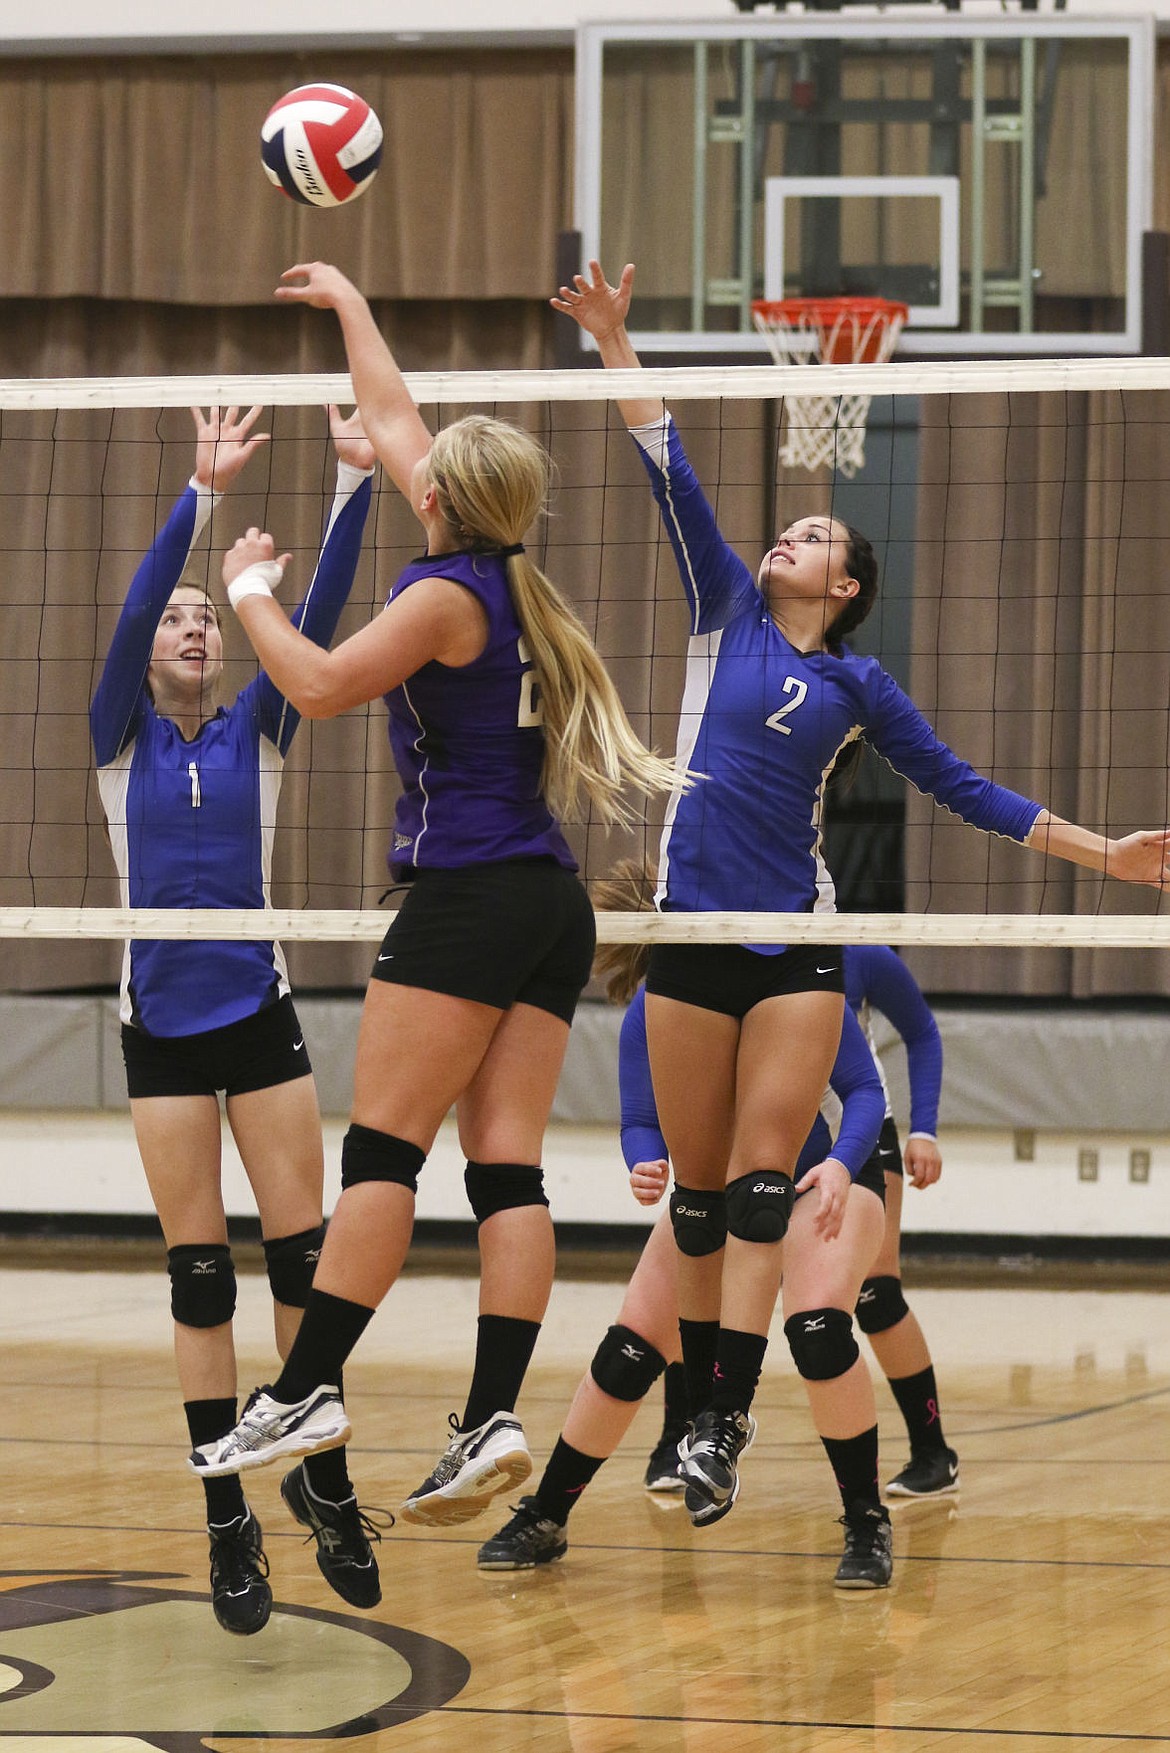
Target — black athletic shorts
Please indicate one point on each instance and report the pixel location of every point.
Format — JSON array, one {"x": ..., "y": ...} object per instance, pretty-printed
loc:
[
  {"x": 259, "y": 1051},
  {"x": 889, "y": 1148},
  {"x": 873, "y": 1170},
  {"x": 730, "y": 979},
  {"x": 518, "y": 932}
]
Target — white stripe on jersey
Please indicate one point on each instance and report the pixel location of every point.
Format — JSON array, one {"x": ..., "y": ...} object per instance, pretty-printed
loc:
[
  {"x": 669, "y": 512},
  {"x": 422, "y": 772},
  {"x": 702, "y": 656},
  {"x": 864, "y": 1015},
  {"x": 271, "y": 775},
  {"x": 826, "y": 901},
  {"x": 113, "y": 789}
]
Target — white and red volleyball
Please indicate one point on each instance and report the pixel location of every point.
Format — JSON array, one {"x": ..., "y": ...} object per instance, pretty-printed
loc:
[{"x": 321, "y": 144}]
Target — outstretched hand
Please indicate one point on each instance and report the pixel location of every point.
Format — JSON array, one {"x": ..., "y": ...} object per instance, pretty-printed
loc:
[
  {"x": 832, "y": 1181},
  {"x": 223, "y": 444},
  {"x": 1141, "y": 858},
  {"x": 599, "y": 307},
  {"x": 248, "y": 550},
  {"x": 349, "y": 438},
  {"x": 324, "y": 286}
]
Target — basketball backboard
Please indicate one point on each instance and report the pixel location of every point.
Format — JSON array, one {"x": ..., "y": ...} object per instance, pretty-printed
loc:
[{"x": 995, "y": 174}]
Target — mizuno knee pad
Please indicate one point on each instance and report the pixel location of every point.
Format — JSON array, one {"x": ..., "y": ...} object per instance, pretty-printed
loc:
[
  {"x": 881, "y": 1305},
  {"x": 822, "y": 1343},
  {"x": 625, "y": 1365},
  {"x": 203, "y": 1284},
  {"x": 291, "y": 1262}
]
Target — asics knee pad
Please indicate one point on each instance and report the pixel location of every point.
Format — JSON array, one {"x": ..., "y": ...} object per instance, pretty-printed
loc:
[
  {"x": 881, "y": 1305},
  {"x": 699, "y": 1220},
  {"x": 291, "y": 1262},
  {"x": 625, "y": 1365},
  {"x": 822, "y": 1343},
  {"x": 367, "y": 1155},
  {"x": 759, "y": 1206},
  {"x": 203, "y": 1284},
  {"x": 493, "y": 1187}
]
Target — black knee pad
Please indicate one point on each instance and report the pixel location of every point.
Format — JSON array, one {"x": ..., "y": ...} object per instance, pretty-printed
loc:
[
  {"x": 699, "y": 1221},
  {"x": 625, "y": 1365},
  {"x": 203, "y": 1284},
  {"x": 881, "y": 1305},
  {"x": 493, "y": 1187},
  {"x": 822, "y": 1343},
  {"x": 759, "y": 1206},
  {"x": 291, "y": 1263},
  {"x": 367, "y": 1155}
]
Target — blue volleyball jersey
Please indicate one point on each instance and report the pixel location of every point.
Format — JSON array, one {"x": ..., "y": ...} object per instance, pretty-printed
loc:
[
  {"x": 847, "y": 1127},
  {"x": 876, "y": 978},
  {"x": 192, "y": 823},
  {"x": 765, "y": 722},
  {"x": 467, "y": 741}
]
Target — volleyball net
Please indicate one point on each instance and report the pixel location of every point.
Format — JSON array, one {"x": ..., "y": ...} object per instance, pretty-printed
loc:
[{"x": 1021, "y": 520}]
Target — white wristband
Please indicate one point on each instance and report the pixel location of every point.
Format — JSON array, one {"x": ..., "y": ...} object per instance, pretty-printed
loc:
[
  {"x": 929, "y": 1136},
  {"x": 258, "y": 580}
]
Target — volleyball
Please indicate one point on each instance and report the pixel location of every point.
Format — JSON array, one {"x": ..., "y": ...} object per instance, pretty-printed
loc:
[{"x": 321, "y": 144}]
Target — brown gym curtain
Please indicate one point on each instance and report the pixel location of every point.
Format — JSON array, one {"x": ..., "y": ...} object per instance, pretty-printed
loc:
[{"x": 147, "y": 241}]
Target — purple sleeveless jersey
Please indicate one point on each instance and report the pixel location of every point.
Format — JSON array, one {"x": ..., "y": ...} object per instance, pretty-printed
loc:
[{"x": 468, "y": 743}]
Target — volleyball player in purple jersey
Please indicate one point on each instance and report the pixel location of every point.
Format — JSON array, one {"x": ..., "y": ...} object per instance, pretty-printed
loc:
[
  {"x": 741, "y": 1040},
  {"x": 502, "y": 719},
  {"x": 189, "y": 788}
]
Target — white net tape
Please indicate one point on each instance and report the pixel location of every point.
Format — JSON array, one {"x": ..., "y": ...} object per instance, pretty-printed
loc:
[{"x": 366, "y": 925}]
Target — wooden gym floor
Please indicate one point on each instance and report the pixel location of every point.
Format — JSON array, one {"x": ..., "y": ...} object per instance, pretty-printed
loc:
[{"x": 1031, "y": 1615}]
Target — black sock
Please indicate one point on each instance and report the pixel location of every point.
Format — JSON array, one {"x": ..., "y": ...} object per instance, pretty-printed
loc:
[
  {"x": 699, "y": 1340},
  {"x": 917, "y": 1399},
  {"x": 327, "y": 1472},
  {"x": 854, "y": 1460},
  {"x": 676, "y": 1402},
  {"x": 564, "y": 1479},
  {"x": 739, "y": 1358},
  {"x": 206, "y": 1420},
  {"x": 330, "y": 1328},
  {"x": 503, "y": 1350}
]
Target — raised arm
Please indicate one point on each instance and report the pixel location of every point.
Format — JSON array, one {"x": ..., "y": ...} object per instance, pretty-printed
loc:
[
  {"x": 332, "y": 581},
  {"x": 223, "y": 444},
  {"x": 393, "y": 424},
  {"x": 601, "y": 310}
]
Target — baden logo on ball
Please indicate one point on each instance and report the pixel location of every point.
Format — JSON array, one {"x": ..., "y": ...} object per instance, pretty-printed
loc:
[{"x": 321, "y": 144}]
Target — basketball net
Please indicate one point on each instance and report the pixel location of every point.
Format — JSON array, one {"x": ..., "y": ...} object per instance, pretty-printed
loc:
[{"x": 827, "y": 431}]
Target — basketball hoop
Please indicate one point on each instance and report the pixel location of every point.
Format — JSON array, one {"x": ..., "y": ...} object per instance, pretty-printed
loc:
[{"x": 828, "y": 431}]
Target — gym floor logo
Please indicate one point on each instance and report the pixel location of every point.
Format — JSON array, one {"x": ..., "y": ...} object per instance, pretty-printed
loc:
[{"x": 101, "y": 1659}]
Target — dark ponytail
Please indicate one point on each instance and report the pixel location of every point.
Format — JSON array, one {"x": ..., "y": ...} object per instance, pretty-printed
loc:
[{"x": 861, "y": 564}]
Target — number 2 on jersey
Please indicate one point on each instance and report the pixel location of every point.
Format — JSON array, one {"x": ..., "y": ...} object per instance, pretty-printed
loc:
[
  {"x": 530, "y": 713},
  {"x": 798, "y": 689}
]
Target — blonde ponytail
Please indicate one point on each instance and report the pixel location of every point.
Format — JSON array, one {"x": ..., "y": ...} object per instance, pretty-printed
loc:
[
  {"x": 629, "y": 888},
  {"x": 491, "y": 481}
]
